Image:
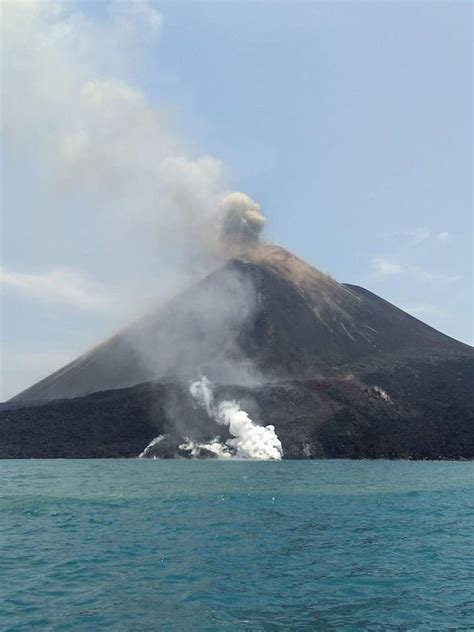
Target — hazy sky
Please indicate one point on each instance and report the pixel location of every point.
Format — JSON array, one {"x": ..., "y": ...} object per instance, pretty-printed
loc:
[{"x": 350, "y": 123}]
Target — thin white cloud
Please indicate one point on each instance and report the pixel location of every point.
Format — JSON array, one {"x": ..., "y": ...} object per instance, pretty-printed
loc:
[
  {"x": 45, "y": 360},
  {"x": 417, "y": 235},
  {"x": 383, "y": 267},
  {"x": 423, "y": 275},
  {"x": 22, "y": 365},
  {"x": 58, "y": 285},
  {"x": 444, "y": 236}
]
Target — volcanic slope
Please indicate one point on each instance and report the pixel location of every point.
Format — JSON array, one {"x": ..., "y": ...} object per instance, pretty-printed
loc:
[
  {"x": 337, "y": 370},
  {"x": 265, "y": 316}
]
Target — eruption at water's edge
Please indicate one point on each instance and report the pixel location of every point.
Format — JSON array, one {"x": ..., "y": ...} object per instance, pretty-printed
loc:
[{"x": 249, "y": 440}]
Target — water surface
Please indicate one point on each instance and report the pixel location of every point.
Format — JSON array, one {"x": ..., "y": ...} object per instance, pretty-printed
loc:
[{"x": 215, "y": 545}]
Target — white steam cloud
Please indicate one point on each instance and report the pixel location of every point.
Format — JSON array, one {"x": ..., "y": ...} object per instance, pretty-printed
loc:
[
  {"x": 69, "y": 93},
  {"x": 115, "y": 166},
  {"x": 154, "y": 442},
  {"x": 250, "y": 441},
  {"x": 195, "y": 449}
]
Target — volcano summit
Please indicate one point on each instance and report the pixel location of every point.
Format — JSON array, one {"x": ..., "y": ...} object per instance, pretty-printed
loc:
[{"x": 338, "y": 371}]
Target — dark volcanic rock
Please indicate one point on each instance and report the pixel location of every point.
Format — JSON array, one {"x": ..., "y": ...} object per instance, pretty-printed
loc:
[
  {"x": 270, "y": 311},
  {"x": 390, "y": 416},
  {"x": 339, "y": 371}
]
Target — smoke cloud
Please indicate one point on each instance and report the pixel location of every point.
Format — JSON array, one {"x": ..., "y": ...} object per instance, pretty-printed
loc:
[
  {"x": 249, "y": 440},
  {"x": 70, "y": 93},
  {"x": 243, "y": 438},
  {"x": 73, "y": 103},
  {"x": 200, "y": 330},
  {"x": 243, "y": 220}
]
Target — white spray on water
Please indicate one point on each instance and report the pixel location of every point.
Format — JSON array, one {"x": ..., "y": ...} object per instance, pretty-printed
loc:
[
  {"x": 250, "y": 441},
  {"x": 151, "y": 445},
  {"x": 215, "y": 446}
]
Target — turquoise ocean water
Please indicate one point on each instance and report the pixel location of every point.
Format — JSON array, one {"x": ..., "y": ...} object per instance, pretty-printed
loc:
[{"x": 217, "y": 545}]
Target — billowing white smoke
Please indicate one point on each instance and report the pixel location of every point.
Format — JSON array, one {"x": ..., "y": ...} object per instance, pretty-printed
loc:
[
  {"x": 250, "y": 441},
  {"x": 195, "y": 448},
  {"x": 72, "y": 103}
]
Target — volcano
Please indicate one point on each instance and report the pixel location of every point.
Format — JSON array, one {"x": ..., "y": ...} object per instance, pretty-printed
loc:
[{"x": 337, "y": 370}]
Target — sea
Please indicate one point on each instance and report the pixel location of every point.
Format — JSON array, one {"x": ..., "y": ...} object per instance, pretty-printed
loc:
[{"x": 139, "y": 544}]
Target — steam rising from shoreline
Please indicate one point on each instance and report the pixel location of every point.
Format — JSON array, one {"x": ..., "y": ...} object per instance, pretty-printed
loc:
[
  {"x": 154, "y": 442},
  {"x": 250, "y": 441}
]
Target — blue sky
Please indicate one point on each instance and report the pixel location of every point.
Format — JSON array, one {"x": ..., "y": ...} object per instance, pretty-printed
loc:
[{"x": 350, "y": 123}]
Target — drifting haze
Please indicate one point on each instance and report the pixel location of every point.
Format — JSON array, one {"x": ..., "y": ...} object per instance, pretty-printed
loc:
[
  {"x": 98, "y": 138},
  {"x": 72, "y": 103},
  {"x": 379, "y": 193}
]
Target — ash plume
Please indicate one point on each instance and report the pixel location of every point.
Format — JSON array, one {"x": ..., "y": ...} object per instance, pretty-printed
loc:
[
  {"x": 71, "y": 101},
  {"x": 243, "y": 220},
  {"x": 114, "y": 162}
]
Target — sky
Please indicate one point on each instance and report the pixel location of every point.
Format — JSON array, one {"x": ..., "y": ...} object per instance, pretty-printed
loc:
[{"x": 350, "y": 123}]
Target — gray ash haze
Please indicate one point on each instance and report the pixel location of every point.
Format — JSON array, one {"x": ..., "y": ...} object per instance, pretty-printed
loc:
[
  {"x": 200, "y": 331},
  {"x": 143, "y": 144},
  {"x": 99, "y": 139},
  {"x": 162, "y": 207}
]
